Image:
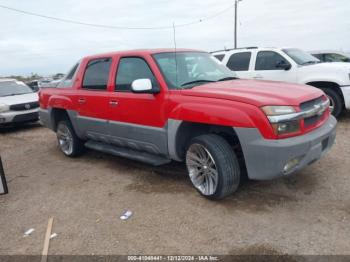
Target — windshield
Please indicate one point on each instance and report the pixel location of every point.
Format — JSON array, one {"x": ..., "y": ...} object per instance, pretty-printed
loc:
[
  {"x": 11, "y": 88},
  {"x": 301, "y": 57},
  {"x": 191, "y": 69}
]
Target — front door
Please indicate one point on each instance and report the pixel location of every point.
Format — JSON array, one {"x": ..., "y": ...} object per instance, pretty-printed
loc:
[
  {"x": 270, "y": 65},
  {"x": 137, "y": 120}
]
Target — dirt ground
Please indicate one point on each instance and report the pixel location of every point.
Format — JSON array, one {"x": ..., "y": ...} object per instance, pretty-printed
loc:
[{"x": 308, "y": 213}]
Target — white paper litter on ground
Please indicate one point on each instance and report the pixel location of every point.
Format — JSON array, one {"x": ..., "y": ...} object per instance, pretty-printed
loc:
[
  {"x": 126, "y": 215},
  {"x": 53, "y": 235},
  {"x": 29, "y": 232}
]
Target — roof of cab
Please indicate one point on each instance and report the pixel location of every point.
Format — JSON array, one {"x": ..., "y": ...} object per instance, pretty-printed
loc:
[{"x": 137, "y": 52}]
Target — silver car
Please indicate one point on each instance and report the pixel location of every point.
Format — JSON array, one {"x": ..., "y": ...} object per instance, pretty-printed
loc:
[{"x": 18, "y": 102}]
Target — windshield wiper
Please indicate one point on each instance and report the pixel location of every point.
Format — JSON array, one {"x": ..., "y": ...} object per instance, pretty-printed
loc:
[
  {"x": 228, "y": 78},
  {"x": 310, "y": 62},
  {"x": 198, "y": 81}
]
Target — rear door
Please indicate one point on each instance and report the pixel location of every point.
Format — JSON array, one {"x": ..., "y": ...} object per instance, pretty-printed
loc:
[
  {"x": 93, "y": 99},
  {"x": 240, "y": 63},
  {"x": 267, "y": 67},
  {"x": 137, "y": 120}
]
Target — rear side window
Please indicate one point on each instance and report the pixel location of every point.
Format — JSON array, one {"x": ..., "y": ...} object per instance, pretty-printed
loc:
[
  {"x": 97, "y": 74},
  {"x": 269, "y": 60},
  {"x": 130, "y": 69},
  {"x": 239, "y": 61},
  {"x": 219, "y": 57}
]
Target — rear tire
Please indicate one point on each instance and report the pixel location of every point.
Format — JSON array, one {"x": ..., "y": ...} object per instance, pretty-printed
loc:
[
  {"x": 69, "y": 143},
  {"x": 213, "y": 166},
  {"x": 336, "y": 102}
]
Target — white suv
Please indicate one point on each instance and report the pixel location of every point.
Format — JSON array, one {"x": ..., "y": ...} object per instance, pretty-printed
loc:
[
  {"x": 18, "y": 103},
  {"x": 291, "y": 65}
]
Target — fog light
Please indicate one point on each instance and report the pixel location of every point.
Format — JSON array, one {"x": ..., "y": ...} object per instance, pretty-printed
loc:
[{"x": 291, "y": 164}]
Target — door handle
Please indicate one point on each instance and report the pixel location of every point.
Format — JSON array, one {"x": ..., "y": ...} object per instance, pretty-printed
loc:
[
  {"x": 81, "y": 101},
  {"x": 258, "y": 77},
  {"x": 113, "y": 103}
]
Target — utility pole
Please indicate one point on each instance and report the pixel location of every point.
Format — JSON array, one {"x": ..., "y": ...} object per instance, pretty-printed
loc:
[{"x": 236, "y": 11}]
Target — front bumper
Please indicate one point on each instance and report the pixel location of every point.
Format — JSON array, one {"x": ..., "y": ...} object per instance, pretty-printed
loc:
[
  {"x": 12, "y": 117},
  {"x": 266, "y": 159},
  {"x": 346, "y": 95}
]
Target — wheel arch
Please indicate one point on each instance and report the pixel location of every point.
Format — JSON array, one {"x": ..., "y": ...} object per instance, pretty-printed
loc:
[
  {"x": 58, "y": 114},
  {"x": 181, "y": 133}
]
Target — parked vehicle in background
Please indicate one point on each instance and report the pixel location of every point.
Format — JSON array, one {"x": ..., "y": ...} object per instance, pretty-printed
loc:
[
  {"x": 18, "y": 103},
  {"x": 53, "y": 83},
  {"x": 159, "y": 105},
  {"x": 331, "y": 56},
  {"x": 34, "y": 85},
  {"x": 291, "y": 65},
  {"x": 44, "y": 82}
]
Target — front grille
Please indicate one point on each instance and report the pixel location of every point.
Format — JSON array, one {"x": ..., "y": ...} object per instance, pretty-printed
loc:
[
  {"x": 309, "y": 104},
  {"x": 312, "y": 120},
  {"x": 25, "y": 106}
]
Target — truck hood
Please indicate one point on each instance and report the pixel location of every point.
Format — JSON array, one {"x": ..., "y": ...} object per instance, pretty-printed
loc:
[
  {"x": 258, "y": 93},
  {"x": 328, "y": 66},
  {"x": 19, "y": 99}
]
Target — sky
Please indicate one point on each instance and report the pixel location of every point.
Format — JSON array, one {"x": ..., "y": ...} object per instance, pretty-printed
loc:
[{"x": 31, "y": 44}]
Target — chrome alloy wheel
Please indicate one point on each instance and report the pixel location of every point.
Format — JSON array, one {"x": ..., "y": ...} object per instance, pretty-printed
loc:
[
  {"x": 65, "y": 139},
  {"x": 202, "y": 169}
]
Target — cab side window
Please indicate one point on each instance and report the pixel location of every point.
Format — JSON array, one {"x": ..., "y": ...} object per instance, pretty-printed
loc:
[
  {"x": 269, "y": 60},
  {"x": 97, "y": 74},
  {"x": 130, "y": 69},
  {"x": 239, "y": 61}
]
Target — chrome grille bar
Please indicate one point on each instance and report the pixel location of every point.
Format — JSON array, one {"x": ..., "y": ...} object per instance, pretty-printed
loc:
[{"x": 315, "y": 110}]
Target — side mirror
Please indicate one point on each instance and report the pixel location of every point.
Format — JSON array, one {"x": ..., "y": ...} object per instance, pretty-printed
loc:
[
  {"x": 283, "y": 65},
  {"x": 143, "y": 85}
]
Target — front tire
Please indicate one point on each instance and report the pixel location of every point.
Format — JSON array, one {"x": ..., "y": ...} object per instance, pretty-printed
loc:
[
  {"x": 68, "y": 141},
  {"x": 213, "y": 166},
  {"x": 336, "y": 102}
]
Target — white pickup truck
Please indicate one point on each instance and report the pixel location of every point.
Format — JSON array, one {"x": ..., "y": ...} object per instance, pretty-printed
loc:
[{"x": 291, "y": 65}]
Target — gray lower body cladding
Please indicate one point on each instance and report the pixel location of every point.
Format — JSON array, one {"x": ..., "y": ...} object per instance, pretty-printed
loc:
[
  {"x": 266, "y": 159},
  {"x": 45, "y": 118},
  {"x": 153, "y": 140}
]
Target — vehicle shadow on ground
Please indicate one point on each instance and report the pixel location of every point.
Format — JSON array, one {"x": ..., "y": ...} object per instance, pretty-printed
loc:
[
  {"x": 344, "y": 116},
  {"x": 20, "y": 127},
  {"x": 252, "y": 196}
]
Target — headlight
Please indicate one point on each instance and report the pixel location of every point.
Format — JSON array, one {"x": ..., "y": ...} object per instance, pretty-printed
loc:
[
  {"x": 4, "y": 108},
  {"x": 285, "y": 127}
]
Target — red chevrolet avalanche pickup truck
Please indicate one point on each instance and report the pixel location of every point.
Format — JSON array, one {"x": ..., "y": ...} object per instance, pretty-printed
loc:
[{"x": 160, "y": 105}]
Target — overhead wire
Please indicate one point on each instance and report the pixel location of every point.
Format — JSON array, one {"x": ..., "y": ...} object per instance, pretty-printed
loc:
[{"x": 64, "y": 20}]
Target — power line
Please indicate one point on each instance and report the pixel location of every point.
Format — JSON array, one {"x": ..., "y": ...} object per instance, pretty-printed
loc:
[{"x": 64, "y": 20}]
